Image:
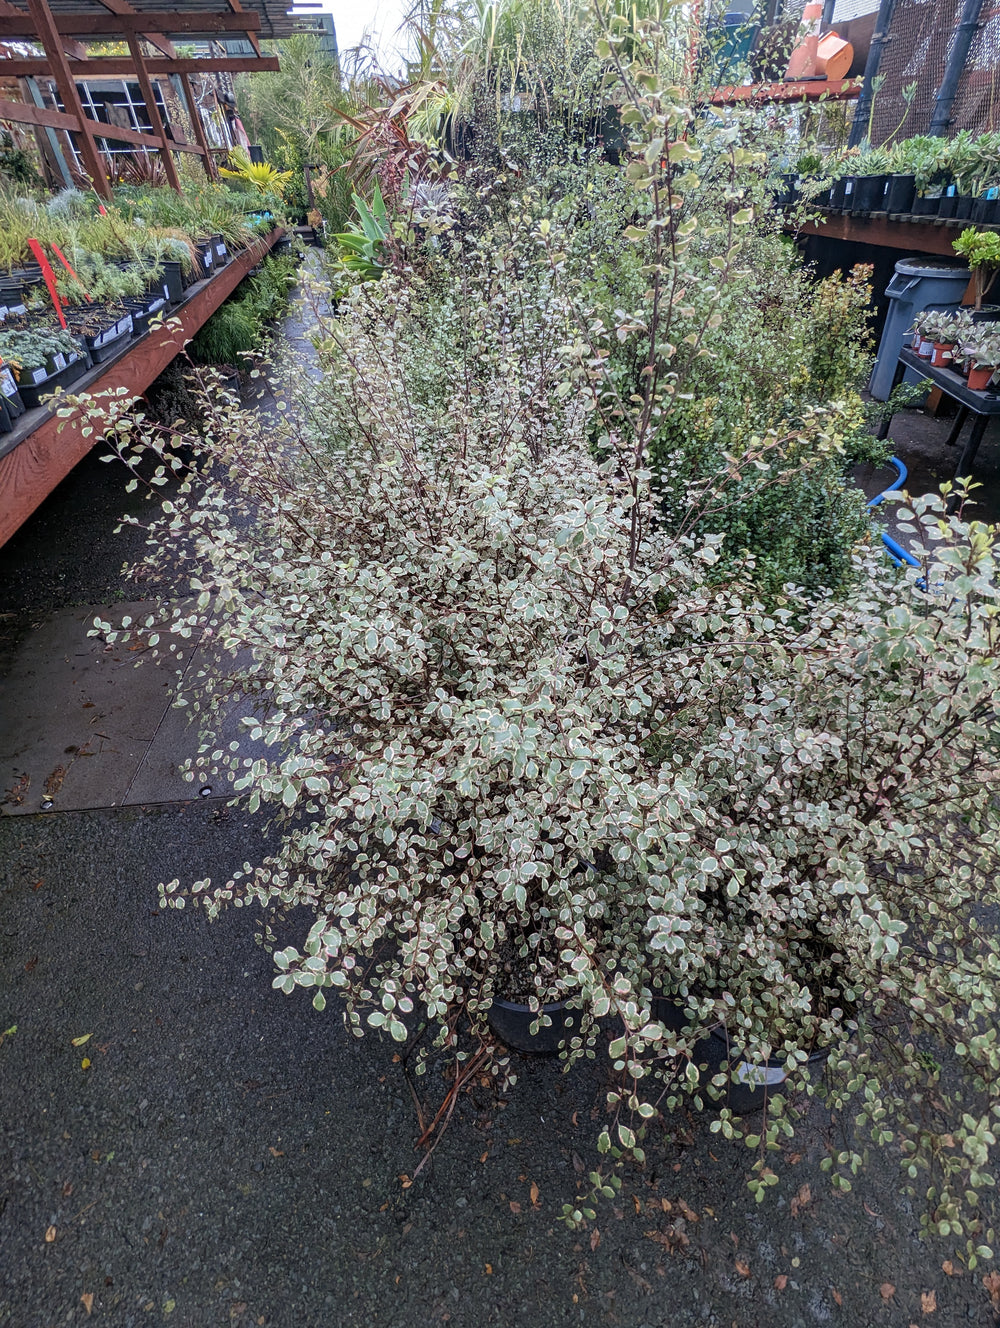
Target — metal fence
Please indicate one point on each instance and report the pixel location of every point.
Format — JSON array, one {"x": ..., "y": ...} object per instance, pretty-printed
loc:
[{"x": 922, "y": 38}]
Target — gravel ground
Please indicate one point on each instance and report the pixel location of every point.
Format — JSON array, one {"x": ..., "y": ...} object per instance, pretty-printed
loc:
[{"x": 231, "y": 1157}]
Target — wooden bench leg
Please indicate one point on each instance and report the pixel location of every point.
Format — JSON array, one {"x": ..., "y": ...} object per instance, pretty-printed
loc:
[
  {"x": 964, "y": 468},
  {"x": 956, "y": 428},
  {"x": 897, "y": 378}
]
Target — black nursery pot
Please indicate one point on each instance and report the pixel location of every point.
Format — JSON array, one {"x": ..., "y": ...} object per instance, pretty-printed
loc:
[
  {"x": 924, "y": 206},
  {"x": 869, "y": 190},
  {"x": 787, "y": 192},
  {"x": 964, "y": 203},
  {"x": 899, "y": 192},
  {"x": 511, "y": 1022},
  {"x": 985, "y": 211},
  {"x": 947, "y": 204},
  {"x": 838, "y": 191},
  {"x": 748, "y": 1085},
  {"x": 173, "y": 281}
]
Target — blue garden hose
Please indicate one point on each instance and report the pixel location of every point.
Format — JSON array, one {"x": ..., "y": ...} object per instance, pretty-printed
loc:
[{"x": 896, "y": 551}]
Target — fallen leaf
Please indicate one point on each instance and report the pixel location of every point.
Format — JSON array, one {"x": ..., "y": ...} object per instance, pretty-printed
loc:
[
  {"x": 88, "y": 1302},
  {"x": 674, "y": 1237},
  {"x": 794, "y": 1159},
  {"x": 32, "y": 964},
  {"x": 489, "y": 1270},
  {"x": 801, "y": 1200},
  {"x": 836, "y": 1295},
  {"x": 275, "y": 1152},
  {"x": 742, "y": 1268},
  {"x": 79, "y": 1041},
  {"x": 485, "y": 1156},
  {"x": 169, "y": 1306},
  {"x": 637, "y": 1205},
  {"x": 687, "y": 1210},
  {"x": 992, "y": 1284},
  {"x": 928, "y": 1301},
  {"x": 534, "y": 1195},
  {"x": 666, "y": 1205},
  {"x": 405, "y": 1181},
  {"x": 67, "y": 1189},
  {"x": 50, "y": 1235},
  {"x": 85, "y": 1063},
  {"x": 55, "y": 781},
  {"x": 595, "y": 1239},
  {"x": 578, "y": 1163},
  {"x": 38, "y": 885},
  {"x": 948, "y": 1267},
  {"x": 780, "y": 1282},
  {"x": 574, "y": 1119},
  {"x": 887, "y": 1291},
  {"x": 515, "y": 1207}
]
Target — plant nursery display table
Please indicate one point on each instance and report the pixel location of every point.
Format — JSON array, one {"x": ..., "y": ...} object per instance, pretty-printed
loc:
[
  {"x": 42, "y": 448},
  {"x": 982, "y": 406}
]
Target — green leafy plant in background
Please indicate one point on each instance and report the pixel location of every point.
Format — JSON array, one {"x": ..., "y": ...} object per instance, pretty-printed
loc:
[
  {"x": 362, "y": 254},
  {"x": 258, "y": 175},
  {"x": 981, "y": 250}
]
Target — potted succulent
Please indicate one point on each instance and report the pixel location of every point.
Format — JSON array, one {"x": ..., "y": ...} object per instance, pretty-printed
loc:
[
  {"x": 981, "y": 250},
  {"x": 872, "y": 168},
  {"x": 985, "y": 355},
  {"x": 922, "y": 157}
]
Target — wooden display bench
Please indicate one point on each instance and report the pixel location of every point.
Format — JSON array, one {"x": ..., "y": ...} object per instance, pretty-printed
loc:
[
  {"x": 896, "y": 230},
  {"x": 42, "y": 449},
  {"x": 982, "y": 406}
]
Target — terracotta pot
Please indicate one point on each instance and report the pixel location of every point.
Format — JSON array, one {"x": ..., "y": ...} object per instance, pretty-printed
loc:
[
  {"x": 979, "y": 379},
  {"x": 942, "y": 354},
  {"x": 923, "y": 347}
]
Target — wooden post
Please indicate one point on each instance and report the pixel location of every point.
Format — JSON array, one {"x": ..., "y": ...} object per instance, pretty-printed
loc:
[
  {"x": 198, "y": 126},
  {"x": 63, "y": 76},
  {"x": 149, "y": 97}
]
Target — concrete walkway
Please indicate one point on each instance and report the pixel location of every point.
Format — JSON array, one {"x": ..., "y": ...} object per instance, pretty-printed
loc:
[{"x": 215, "y": 1153}]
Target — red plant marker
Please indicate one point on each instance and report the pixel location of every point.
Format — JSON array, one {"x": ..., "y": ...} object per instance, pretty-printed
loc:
[
  {"x": 59, "y": 254},
  {"x": 50, "y": 277}
]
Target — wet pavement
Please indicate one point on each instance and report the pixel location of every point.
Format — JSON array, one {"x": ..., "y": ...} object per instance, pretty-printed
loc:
[{"x": 216, "y": 1153}]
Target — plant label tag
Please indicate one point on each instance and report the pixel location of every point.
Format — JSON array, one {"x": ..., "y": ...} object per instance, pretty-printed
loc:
[
  {"x": 154, "y": 305},
  {"x": 59, "y": 360},
  {"x": 38, "y": 375},
  {"x": 759, "y": 1076},
  {"x": 7, "y": 385}
]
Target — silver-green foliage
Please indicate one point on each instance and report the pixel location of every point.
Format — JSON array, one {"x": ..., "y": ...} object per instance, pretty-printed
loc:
[{"x": 515, "y": 725}]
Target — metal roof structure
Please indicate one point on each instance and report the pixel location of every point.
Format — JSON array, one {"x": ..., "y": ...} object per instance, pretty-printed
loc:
[{"x": 64, "y": 28}]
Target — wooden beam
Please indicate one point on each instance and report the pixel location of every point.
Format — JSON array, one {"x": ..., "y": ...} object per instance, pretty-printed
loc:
[
  {"x": 237, "y": 8},
  {"x": 60, "y": 71},
  {"x": 153, "y": 111},
  {"x": 110, "y": 25},
  {"x": 43, "y": 449},
  {"x": 835, "y": 90},
  {"x": 923, "y": 237},
  {"x": 123, "y": 7},
  {"x": 40, "y": 116},
  {"x": 121, "y": 67},
  {"x": 198, "y": 125}
]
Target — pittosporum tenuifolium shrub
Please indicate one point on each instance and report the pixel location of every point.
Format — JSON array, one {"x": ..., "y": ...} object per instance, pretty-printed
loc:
[{"x": 518, "y": 701}]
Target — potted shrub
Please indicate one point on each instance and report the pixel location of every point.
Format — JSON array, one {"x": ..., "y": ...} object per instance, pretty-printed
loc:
[
  {"x": 922, "y": 157},
  {"x": 42, "y": 360},
  {"x": 981, "y": 250}
]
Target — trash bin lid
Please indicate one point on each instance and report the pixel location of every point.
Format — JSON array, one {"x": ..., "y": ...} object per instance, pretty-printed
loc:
[{"x": 928, "y": 265}]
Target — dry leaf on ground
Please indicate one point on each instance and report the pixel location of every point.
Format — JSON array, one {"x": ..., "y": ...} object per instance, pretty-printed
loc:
[
  {"x": 742, "y": 1268},
  {"x": 801, "y": 1200},
  {"x": 928, "y": 1301},
  {"x": 595, "y": 1238},
  {"x": 887, "y": 1291},
  {"x": 87, "y": 1299},
  {"x": 992, "y": 1284},
  {"x": 50, "y": 1235},
  {"x": 780, "y": 1282}
]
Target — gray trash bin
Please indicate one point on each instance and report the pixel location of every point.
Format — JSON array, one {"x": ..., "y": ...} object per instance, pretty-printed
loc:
[{"x": 920, "y": 283}]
